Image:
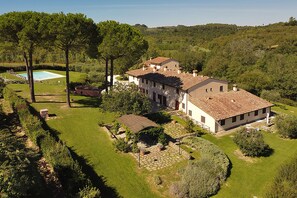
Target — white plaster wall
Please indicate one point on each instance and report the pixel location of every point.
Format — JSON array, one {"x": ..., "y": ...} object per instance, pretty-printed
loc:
[{"x": 196, "y": 116}]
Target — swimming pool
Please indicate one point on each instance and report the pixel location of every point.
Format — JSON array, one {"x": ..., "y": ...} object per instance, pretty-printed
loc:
[{"x": 42, "y": 75}]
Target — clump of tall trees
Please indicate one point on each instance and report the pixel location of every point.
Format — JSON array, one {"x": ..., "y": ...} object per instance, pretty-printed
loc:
[{"x": 28, "y": 33}]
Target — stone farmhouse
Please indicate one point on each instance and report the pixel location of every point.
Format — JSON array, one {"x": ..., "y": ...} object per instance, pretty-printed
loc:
[{"x": 205, "y": 100}]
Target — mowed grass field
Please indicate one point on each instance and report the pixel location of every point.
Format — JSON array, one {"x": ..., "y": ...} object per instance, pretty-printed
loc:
[{"x": 78, "y": 127}]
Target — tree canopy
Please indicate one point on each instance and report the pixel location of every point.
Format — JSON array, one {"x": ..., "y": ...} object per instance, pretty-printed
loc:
[{"x": 73, "y": 32}]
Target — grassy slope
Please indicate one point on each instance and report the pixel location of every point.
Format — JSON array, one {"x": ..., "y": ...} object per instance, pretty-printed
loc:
[
  {"x": 251, "y": 179},
  {"x": 78, "y": 128}
]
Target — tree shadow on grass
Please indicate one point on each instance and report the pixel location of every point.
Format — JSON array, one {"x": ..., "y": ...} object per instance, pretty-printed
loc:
[
  {"x": 87, "y": 102},
  {"x": 97, "y": 181}
]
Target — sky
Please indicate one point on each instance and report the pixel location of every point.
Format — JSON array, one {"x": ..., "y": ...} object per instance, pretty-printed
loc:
[{"x": 156, "y": 13}]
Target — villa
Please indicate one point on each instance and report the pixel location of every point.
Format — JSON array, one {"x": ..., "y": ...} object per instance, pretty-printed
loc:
[{"x": 205, "y": 100}]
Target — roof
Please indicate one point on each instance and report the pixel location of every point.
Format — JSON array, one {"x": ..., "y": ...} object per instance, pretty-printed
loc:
[
  {"x": 183, "y": 80},
  {"x": 157, "y": 61},
  {"x": 136, "y": 123},
  {"x": 228, "y": 104}
]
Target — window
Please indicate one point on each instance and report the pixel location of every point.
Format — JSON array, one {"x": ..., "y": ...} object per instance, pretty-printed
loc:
[
  {"x": 222, "y": 122},
  {"x": 146, "y": 91},
  {"x": 142, "y": 80},
  {"x": 154, "y": 84},
  {"x": 202, "y": 119},
  {"x": 234, "y": 119},
  {"x": 190, "y": 113},
  {"x": 249, "y": 114},
  {"x": 256, "y": 112},
  {"x": 183, "y": 105},
  {"x": 221, "y": 88},
  {"x": 177, "y": 90},
  {"x": 146, "y": 81},
  {"x": 205, "y": 90},
  {"x": 264, "y": 110},
  {"x": 163, "y": 86},
  {"x": 241, "y": 116}
]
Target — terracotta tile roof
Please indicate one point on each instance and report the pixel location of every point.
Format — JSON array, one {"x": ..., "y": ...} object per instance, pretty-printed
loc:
[
  {"x": 159, "y": 60},
  {"x": 171, "y": 78},
  {"x": 228, "y": 104},
  {"x": 136, "y": 123}
]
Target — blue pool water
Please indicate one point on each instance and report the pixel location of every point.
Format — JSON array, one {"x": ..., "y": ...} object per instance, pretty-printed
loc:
[{"x": 42, "y": 75}]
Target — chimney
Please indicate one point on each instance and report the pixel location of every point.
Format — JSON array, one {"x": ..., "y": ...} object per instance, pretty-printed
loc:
[
  {"x": 179, "y": 71},
  {"x": 165, "y": 68},
  {"x": 154, "y": 69},
  {"x": 195, "y": 73},
  {"x": 235, "y": 87}
]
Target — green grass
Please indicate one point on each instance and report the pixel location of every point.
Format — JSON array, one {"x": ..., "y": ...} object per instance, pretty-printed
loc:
[
  {"x": 249, "y": 179},
  {"x": 282, "y": 108},
  {"x": 78, "y": 127}
]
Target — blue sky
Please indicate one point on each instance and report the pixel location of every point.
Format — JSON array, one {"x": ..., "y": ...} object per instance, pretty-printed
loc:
[{"x": 166, "y": 12}]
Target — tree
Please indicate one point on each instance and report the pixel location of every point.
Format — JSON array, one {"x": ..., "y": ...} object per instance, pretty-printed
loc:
[
  {"x": 286, "y": 125},
  {"x": 25, "y": 31},
  {"x": 73, "y": 32},
  {"x": 118, "y": 41},
  {"x": 251, "y": 142},
  {"x": 126, "y": 99}
]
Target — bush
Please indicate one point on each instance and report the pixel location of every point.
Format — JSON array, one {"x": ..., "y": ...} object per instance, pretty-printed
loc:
[
  {"x": 286, "y": 125},
  {"x": 89, "y": 192},
  {"x": 198, "y": 180},
  {"x": 251, "y": 142},
  {"x": 189, "y": 126},
  {"x": 121, "y": 145},
  {"x": 285, "y": 182},
  {"x": 211, "y": 152},
  {"x": 1, "y": 87},
  {"x": 57, "y": 154},
  {"x": 157, "y": 180}
]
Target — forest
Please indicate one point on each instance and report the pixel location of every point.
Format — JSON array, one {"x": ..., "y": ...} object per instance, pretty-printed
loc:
[{"x": 260, "y": 59}]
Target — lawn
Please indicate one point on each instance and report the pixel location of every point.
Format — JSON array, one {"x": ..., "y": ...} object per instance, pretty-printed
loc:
[
  {"x": 250, "y": 179},
  {"x": 282, "y": 108},
  {"x": 78, "y": 128}
]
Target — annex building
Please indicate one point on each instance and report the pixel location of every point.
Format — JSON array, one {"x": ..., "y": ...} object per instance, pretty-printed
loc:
[{"x": 205, "y": 100}]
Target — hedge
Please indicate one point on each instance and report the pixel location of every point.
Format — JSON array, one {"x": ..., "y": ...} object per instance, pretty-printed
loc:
[
  {"x": 57, "y": 154},
  {"x": 202, "y": 178},
  {"x": 210, "y": 151}
]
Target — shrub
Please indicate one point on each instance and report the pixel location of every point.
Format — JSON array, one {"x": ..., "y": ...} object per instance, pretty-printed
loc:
[
  {"x": 157, "y": 180},
  {"x": 57, "y": 154},
  {"x": 286, "y": 125},
  {"x": 1, "y": 87},
  {"x": 285, "y": 182},
  {"x": 251, "y": 142},
  {"x": 189, "y": 126},
  {"x": 89, "y": 192},
  {"x": 198, "y": 180},
  {"x": 121, "y": 145},
  {"x": 162, "y": 139},
  {"x": 211, "y": 152}
]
